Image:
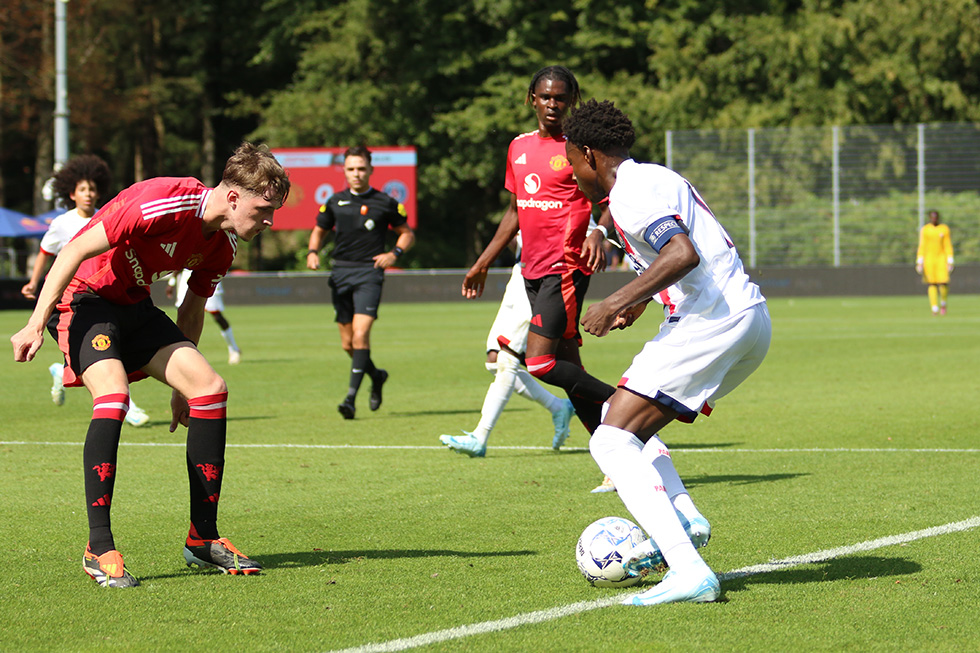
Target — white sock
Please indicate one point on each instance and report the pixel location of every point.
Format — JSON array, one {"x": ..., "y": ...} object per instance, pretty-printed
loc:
[
  {"x": 132, "y": 405},
  {"x": 641, "y": 488},
  {"x": 528, "y": 387},
  {"x": 655, "y": 452},
  {"x": 498, "y": 394},
  {"x": 230, "y": 339}
]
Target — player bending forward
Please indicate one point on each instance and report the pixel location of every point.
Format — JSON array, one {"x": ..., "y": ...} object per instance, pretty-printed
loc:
[
  {"x": 97, "y": 296},
  {"x": 716, "y": 333}
]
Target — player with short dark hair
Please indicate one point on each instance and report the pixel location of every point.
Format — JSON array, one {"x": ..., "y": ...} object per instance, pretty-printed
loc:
[
  {"x": 359, "y": 216},
  {"x": 716, "y": 332},
  {"x": 96, "y": 303},
  {"x": 553, "y": 217},
  {"x": 934, "y": 261}
]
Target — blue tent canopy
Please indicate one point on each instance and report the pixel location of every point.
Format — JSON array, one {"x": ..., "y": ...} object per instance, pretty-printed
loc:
[{"x": 14, "y": 224}]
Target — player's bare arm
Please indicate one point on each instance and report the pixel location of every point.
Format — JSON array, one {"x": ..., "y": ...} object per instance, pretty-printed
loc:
[
  {"x": 594, "y": 253},
  {"x": 190, "y": 315},
  {"x": 592, "y": 249},
  {"x": 190, "y": 320},
  {"x": 676, "y": 259},
  {"x": 476, "y": 278},
  {"x": 316, "y": 242},
  {"x": 406, "y": 238},
  {"x": 29, "y": 290},
  {"x": 28, "y": 340}
]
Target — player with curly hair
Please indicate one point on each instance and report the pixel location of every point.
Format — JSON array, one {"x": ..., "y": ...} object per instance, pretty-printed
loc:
[
  {"x": 716, "y": 332},
  {"x": 78, "y": 185}
]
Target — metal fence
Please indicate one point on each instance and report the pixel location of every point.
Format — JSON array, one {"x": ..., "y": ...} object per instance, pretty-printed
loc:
[{"x": 836, "y": 196}]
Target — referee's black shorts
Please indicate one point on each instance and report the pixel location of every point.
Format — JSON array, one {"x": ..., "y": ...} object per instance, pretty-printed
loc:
[{"x": 355, "y": 289}]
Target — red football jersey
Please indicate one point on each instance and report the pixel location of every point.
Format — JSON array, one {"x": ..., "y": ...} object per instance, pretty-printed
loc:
[
  {"x": 155, "y": 227},
  {"x": 553, "y": 213}
]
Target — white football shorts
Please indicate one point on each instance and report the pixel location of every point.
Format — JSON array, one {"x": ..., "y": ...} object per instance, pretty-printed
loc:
[
  {"x": 693, "y": 362},
  {"x": 214, "y": 304},
  {"x": 513, "y": 317}
]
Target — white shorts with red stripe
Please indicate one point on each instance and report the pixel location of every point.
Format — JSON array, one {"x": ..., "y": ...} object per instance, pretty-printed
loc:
[
  {"x": 693, "y": 362},
  {"x": 513, "y": 318}
]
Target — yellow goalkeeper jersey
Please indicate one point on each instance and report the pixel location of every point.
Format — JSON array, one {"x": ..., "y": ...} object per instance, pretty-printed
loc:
[{"x": 935, "y": 252}]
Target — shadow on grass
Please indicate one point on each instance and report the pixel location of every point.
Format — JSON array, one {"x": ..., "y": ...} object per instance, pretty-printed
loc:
[
  {"x": 166, "y": 423},
  {"x": 421, "y": 413},
  {"x": 846, "y": 568},
  {"x": 738, "y": 479},
  {"x": 316, "y": 558}
]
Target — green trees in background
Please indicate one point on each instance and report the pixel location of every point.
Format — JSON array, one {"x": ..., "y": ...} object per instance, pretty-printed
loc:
[{"x": 169, "y": 88}]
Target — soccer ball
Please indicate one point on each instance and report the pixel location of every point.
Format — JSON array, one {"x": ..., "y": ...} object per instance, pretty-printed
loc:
[{"x": 603, "y": 547}]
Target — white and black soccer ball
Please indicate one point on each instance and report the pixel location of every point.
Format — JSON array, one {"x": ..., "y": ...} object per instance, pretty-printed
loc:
[{"x": 603, "y": 547}]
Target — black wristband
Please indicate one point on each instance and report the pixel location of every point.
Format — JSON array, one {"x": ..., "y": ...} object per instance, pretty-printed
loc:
[
  {"x": 312, "y": 251},
  {"x": 398, "y": 251}
]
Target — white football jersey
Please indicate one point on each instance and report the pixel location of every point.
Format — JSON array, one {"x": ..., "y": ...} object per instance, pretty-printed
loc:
[
  {"x": 61, "y": 230},
  {"x": 642, "y": 197}
]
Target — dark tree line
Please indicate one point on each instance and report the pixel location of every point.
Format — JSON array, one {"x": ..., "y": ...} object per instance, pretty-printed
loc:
[{"x": 170, "y": 88}]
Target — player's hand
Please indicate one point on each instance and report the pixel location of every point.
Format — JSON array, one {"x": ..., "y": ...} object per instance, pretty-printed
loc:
[
  {"x": 26, "y": 342},
  {"x": 29, "y": 290},
  {"x": 626, "y": 318},
  {"x": 949, "y": 267},
  {"x": 313, "y": 261},
  {"x": 918, "y": 268},
  {"x": 594, "y": 252},
  {"x": 599, "y": 319},
  {"x": 474, "y": 282},
  {"x": 385, "y": 260},
  {"x": 180, "y": 411}
]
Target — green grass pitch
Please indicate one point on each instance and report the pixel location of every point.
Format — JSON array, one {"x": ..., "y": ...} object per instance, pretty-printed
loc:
[{"x": 860, "y": 425}]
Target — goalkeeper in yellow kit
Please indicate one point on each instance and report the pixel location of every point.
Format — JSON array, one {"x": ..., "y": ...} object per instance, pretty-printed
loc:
[{"x": 934, "y": 261}]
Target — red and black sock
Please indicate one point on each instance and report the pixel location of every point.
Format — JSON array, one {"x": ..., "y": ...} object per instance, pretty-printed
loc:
[
  {"x": 206, "y": 433},
  {"x": 99, "y": 458},
  {"x": 586, "y": 392}
]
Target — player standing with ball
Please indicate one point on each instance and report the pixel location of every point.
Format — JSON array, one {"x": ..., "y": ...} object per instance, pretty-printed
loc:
[{"x": 716, "y": 332}]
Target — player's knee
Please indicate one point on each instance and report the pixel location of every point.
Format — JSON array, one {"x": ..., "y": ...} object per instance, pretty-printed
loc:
[
  {"x": 608, "y": 444},
  {"x": 210, "y": 385},
  {"x": 541, "y": 366},
  {"x": 507, "y": 366}
]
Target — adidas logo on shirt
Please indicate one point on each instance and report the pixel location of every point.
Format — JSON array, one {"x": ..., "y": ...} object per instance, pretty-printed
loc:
[
  {"x": 521, "y": 160},
  {"x": 169, "y": 248}
]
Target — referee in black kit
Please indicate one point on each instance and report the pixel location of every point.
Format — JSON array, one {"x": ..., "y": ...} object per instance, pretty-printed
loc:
[{"x": 360, "y": 217}]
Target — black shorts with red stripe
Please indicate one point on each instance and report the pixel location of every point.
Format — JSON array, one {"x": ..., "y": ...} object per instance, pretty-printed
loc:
[
  {"x": 89, "y": 329},
  {"x": 556, "y": 304}
]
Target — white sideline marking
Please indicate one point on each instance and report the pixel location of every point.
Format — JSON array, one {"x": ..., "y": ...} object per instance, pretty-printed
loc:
[
  {"x": 443, "y": 447},
  {"x": 584, "y": 606}
]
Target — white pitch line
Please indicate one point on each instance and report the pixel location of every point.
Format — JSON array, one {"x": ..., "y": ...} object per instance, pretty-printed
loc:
[
  {"x": 551, "y": 614},
  {"x": 502, "y": 448}
]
